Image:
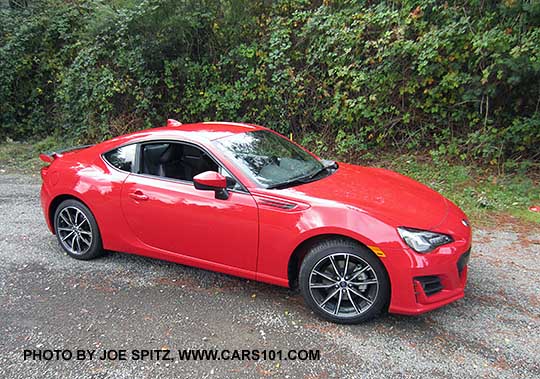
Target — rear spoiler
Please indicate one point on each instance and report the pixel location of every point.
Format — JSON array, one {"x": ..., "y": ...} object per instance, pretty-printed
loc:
[{"x": 49, "y": 157}]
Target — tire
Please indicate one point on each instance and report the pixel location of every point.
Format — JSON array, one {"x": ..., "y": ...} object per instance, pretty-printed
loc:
[
  {"x": 77, "y": 230},
  {"x": 357, "y": 295}
]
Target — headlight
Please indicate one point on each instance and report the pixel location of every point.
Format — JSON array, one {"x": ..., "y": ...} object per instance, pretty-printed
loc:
[{"x": 423, "y": 241}]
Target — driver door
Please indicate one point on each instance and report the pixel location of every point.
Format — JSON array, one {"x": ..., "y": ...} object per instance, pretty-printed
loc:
[{"x": 165, "y": 211}]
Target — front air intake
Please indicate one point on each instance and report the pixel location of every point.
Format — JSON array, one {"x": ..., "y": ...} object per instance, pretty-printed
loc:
[
  {"x": 430, "y": 284},
  {"x": 463, "y": 261}
]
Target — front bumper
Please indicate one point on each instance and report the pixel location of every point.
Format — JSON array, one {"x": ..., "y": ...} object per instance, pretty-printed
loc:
[{"x": 430, "y": 281}]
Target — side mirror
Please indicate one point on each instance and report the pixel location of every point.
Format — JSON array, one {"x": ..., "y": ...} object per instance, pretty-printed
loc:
[{"x": 212, "y": 181}]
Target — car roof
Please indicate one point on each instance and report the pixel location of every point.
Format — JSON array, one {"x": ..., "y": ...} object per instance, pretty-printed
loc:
[
  {"x": 198, "y": 132},
  {"x": 213, "y": 130},
  {"x": 202, "y": 132}
]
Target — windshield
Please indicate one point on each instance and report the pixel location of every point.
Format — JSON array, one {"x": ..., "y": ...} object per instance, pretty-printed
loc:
[{"x": 269, "y": 159}]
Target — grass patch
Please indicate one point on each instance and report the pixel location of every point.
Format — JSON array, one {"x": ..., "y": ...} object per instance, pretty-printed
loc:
[{"x": 23, "y": 157}]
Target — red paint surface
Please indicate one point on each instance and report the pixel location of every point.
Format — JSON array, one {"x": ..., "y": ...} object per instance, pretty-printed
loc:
[
  {"x": 211, "y": 179},
  {"x": 247, "y": 234}
]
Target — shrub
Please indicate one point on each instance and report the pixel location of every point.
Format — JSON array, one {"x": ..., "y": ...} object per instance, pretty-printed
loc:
[{"x": 458, "y": 78}]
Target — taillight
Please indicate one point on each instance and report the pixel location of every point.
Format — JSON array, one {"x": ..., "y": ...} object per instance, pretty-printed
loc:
[
  {"x": 47, "y": 159},
  {"x": 44, "y": 170}
]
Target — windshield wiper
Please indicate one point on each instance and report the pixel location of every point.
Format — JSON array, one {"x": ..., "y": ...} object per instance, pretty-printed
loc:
[
  {"x": 327, "y": 164},
  {"x": 289, "y": 183},
  {"x": 305, "y": 179}
]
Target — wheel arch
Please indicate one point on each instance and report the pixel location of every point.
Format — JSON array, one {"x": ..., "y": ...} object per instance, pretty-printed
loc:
[
  {"x": 57, "y": 201},
  {"x": 298, "y": 254}
]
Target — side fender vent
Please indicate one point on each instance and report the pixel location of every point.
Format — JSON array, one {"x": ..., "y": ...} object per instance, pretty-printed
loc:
[
  {"x": 285, "y": 205},
  {"x": 277, "y": 204}
]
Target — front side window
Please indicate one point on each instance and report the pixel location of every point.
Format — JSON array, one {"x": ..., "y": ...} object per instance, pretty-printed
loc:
[
  {"x": 175, "y": 160},
  {"x": 269, "y": 159},
  {"x": 123, "y": 158}
]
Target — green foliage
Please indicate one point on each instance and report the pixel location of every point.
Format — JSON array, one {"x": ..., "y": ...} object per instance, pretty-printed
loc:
[
  {"x": 36, "y": 46},
  {"x": 460, "y": 78},
  {"x": 24, "y": 156}
]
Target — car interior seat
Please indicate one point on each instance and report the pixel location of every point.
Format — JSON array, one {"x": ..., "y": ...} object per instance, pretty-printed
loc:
[
  {"x": 173, "y": 160},
  {"x": 170, "y": 162},
  {"x": 196, "y": 161},
  {"x": 151, "y": 158}
]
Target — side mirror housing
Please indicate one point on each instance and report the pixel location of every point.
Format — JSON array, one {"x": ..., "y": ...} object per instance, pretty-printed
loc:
[{"x": 212, "y": 181}]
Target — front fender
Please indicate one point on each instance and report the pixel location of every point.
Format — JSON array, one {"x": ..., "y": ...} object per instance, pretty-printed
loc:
[{"x": 281, "y": 233}]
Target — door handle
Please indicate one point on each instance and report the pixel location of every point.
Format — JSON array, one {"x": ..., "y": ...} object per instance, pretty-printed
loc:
[{"x": 138, "y": 195}]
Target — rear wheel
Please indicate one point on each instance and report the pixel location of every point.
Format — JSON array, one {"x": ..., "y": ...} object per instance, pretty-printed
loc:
[
  {"x": 77, "y": 230},
  {"x": 344, "y": 282}
]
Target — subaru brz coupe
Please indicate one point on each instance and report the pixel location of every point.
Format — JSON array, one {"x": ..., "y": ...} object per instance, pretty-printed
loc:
[{"x": 243, "y": 200}]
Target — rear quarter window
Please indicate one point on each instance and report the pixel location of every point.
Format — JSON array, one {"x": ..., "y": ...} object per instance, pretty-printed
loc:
[{"x": 122, "y": 158}]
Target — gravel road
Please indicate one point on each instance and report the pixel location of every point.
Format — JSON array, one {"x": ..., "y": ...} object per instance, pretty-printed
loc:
[{"x": 121, "y": 301}]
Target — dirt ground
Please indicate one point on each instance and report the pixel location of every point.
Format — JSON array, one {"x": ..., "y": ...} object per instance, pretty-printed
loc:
[{"x": 121, "y": 301}]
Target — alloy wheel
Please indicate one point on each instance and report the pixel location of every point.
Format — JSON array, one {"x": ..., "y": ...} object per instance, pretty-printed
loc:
[
  {"x": 343, "y": 285},
  {"x": 74, "y": 230}
]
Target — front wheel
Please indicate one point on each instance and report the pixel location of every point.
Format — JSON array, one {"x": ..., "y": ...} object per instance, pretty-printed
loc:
[
  {"x": 77, "y": 230},
  {"x": 344, "y": 282}
]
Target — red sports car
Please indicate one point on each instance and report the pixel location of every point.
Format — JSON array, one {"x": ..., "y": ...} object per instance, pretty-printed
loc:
[{"x": 244, "y": 200}]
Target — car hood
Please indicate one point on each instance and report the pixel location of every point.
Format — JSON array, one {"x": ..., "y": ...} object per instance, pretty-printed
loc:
[{"x": 387, "y": 195}]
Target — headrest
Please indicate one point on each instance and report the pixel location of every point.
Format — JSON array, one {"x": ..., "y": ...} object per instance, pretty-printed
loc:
[
  {"x": 173, "y": 151},
  {"x": 192, "y": 152},
  {"x": 152, "y": 153}
]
